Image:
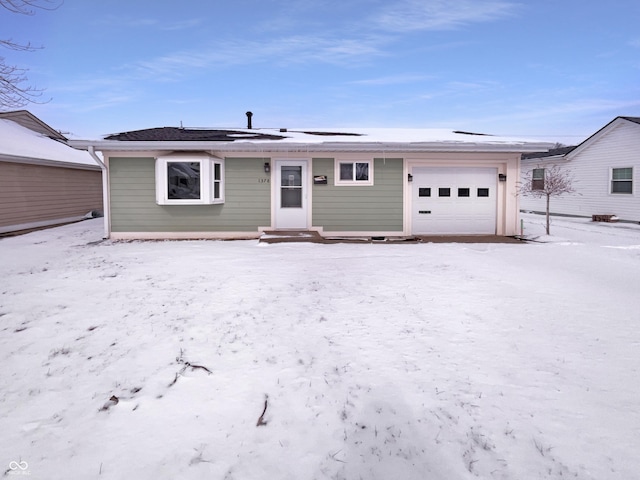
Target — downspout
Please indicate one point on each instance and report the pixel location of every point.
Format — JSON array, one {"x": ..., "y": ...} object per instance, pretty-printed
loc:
[{"x": 105, "y": 192}]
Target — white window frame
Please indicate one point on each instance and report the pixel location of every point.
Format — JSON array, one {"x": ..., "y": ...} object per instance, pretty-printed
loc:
[
  {"x": 540, "y": 179},
  {"x": 612, "y": 180},
  {"x": 207, "y": 180},
  {"x": 353, "y": 181}
]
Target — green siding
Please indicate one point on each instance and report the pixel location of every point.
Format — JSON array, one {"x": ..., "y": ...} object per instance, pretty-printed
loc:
[
  {"x": 374, "y": 208},
  {"x": 133, "y": 200}
]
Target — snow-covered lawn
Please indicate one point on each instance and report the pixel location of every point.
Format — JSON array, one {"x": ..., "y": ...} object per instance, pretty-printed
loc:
[{"x": 374, "y": 361}]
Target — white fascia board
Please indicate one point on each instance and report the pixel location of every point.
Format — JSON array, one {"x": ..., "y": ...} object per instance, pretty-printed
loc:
[{"x": 275, "y": 146}]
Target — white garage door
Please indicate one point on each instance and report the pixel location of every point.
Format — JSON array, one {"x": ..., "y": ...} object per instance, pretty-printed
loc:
[{"x": 454, "y": 200}]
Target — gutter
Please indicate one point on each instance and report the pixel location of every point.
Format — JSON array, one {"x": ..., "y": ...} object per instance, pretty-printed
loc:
[
  {"x": 105, "y": 191},
  {"x": 275, "y": 146}
]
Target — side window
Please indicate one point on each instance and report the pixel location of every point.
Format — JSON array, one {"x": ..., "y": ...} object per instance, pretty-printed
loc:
[
  {"x": 218, "y": 182},
  {"x": 622, "y": 180},
  {"x": 537, "y": 179}
]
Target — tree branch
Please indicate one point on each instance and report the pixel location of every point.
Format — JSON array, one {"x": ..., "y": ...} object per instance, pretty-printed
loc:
[
  {"x": 11, "y": 45},
  {"x": 13, "y": 94},
  {"x": 556, "y": 181},
  {"x": 26, "y": 7}
]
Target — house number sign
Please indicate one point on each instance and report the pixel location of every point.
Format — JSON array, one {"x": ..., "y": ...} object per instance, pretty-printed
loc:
[{"x": 263, "y": 180}]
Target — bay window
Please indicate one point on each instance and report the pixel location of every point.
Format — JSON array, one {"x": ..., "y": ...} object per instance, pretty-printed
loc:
[{"x": 189, "y": 180}]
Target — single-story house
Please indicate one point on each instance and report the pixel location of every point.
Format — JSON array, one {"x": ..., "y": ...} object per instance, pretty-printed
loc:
[
  {"x": 604, "y": 171},
  {"x": 174, "y": 183},
  {"x": 42, "y": 180}
]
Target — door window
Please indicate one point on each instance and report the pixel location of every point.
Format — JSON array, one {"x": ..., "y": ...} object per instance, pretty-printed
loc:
[{"x": 290, "y": 186}]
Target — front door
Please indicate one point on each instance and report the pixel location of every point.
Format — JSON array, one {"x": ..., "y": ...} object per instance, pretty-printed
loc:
[{"x": 291, "y": 195}]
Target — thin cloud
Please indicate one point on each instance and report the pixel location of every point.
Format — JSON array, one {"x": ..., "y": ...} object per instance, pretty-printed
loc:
[
  {"x": 88, "y": 84},
  {"x": 466, "y": 87},
  {"x": 129, "y": 22},
  {"x": 182, "y": 25},
  {"x": 393, "y": 80},
  {"x": 283, "y": 51},
  {"x": 415, "y": 15},
  {"x": 582, "y": 107},
  {"x": 94, "y": 102},
  {"x": 106, "y": 101}
]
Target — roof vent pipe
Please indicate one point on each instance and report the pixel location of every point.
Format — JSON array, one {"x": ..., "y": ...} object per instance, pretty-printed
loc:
[{"x": 249, "y": 115}]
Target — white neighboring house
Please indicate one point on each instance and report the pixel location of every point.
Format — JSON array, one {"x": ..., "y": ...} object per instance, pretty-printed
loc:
[
  {"x": 605, "y": 169},
  {"x": 43, "y": 181}
]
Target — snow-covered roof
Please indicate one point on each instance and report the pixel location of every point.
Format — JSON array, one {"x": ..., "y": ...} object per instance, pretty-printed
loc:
[
  {"x": 30, "y": 121},
  {"x": 319, "y": 139},
  {"x": 386, "y": 135},
  {"x": 23, "y": 145}
]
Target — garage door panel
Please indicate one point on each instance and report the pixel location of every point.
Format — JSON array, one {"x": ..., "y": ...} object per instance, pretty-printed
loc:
[{"x": 454, "y": 200}]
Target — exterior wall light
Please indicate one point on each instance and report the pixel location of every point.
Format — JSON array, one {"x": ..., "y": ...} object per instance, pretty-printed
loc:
[
  {"x": 267, "y": 167},
  {"x": 502, "y": 177}
]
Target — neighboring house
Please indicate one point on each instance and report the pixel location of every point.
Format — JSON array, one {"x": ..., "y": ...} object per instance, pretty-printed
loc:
[
  {"x": 42, "y": 180},
  {"x": 605, "y": 169},
  {"x": 214, "y": 183}
]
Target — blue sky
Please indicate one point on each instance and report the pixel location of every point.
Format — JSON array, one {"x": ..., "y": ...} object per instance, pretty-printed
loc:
[{"x": 556, "y": 70}]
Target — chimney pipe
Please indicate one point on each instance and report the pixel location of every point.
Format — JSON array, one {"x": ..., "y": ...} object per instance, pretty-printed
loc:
[{"x": 249, "y": 115}]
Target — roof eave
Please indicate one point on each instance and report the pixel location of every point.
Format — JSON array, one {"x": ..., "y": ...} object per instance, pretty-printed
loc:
[
  {"x": 545, "y": 159},
  {"x": 274, "y": 146},
  {"x": 47, "y": 162},
  {"x": 602, "y": 131}
]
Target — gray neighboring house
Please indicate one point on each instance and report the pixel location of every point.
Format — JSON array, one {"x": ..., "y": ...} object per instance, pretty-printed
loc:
[
  {"x": 172, "y": 183},
  {"x": 605, "y": 169},
  {"x": 43, "y": 181}
]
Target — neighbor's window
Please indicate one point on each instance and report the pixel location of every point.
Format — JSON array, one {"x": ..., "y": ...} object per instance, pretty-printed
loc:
[
  {"x": 622, "y": 180},
  {"x": 189, "y": 180},
  {"x": 537, "y": 179},
  {"x": 354, "y": 173}
]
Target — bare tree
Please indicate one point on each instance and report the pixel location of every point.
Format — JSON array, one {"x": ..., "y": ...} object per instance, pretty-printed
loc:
[
  {"x": 546, "y": 182},
  {"x": 13, "y": 91}
]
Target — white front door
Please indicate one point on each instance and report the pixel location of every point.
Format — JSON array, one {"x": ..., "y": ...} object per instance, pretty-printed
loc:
[{"x": 291, "y": 195}]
